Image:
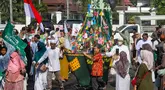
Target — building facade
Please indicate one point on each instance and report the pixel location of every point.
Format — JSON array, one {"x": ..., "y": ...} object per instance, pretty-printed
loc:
[{"x": 59, "y": 7}]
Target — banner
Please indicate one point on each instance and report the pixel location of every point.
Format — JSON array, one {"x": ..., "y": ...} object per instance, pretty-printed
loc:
[
  {"x": 59, "y": 26},
  {"x": 15, "y": 41},
  {"x": 78, "y": 64},
  {"x": 75, "y": 29}
]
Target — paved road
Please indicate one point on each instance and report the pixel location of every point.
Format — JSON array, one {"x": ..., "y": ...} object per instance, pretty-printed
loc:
[{"x": 110, "y": 86}]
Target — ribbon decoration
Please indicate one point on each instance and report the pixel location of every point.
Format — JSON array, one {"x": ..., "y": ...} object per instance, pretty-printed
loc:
[
  {"x": 89, "y": 8},
  {"x": 93, "y": 21},
  {"x": 104, "y": 23}
]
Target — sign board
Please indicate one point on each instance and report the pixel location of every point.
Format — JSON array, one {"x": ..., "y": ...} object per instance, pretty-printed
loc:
[
  {"x": 75, "y": 29},
  {"x": 59, "y": 26}
]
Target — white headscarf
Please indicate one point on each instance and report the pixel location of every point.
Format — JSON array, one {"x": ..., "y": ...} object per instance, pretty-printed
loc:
[{"x": 147, "y": 58}]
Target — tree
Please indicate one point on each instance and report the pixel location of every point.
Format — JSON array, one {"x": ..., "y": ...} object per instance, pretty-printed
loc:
[
  {"x": 4, "y": 9},
  {"x": 84, "y": 4},
  {"x": 160, "y": 8},
  {"x": 18, "y": 10}
]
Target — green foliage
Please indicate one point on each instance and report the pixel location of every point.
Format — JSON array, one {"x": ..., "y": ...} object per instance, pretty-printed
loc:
[
  {"x": 54, "y": 19},
  {"x": 84, "y": 4},
  {"x": 18, "y": 10},
  {"x": 160, "y": 8}
]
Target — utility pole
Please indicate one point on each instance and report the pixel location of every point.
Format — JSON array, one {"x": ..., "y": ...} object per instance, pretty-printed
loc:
[
  {"x": 124, "y": 11},
  {"x": 11, "y": 11},
  {"x": 67, "y": 2},
  {"x": 0, "y": 17},
  {"x": 39, "y": 1}
]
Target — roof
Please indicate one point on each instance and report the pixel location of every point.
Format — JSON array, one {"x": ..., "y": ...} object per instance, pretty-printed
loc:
[
  {"x": 57, "y": 1},
  {"x": 157, "y": 17},
  {"x": 60, "y": 5}
]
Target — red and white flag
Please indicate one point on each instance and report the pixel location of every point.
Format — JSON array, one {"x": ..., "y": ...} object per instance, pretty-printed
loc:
[{"x": 31, "y": 11}]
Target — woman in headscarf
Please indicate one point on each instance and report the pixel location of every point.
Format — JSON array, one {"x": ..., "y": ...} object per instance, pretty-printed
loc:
[
  {"x": 144, "y": 74},
  {"x": 5, "y": 53},
  {"x": 122, "y": 75},
  {"x": 149, "y": 48},
  {"x": 14, "y": 74},
  {"x": 40, "y": 75}
]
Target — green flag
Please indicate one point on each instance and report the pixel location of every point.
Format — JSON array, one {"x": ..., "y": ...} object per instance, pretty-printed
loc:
[
  {"x": 78, "y": 66},
  {"x": 14, "y": 40}
]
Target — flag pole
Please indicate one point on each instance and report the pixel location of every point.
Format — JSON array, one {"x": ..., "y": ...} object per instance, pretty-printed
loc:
[
  {"x": 0, "y": 17},
  {"x": 39, "y": 1},
  {"x": 124, "y": 11},
  {"x": 67, "y": 2},
  {"x": 11, "y": 11}
]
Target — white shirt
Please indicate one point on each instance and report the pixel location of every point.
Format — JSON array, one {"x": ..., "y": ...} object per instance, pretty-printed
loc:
[
  {"x": 121, "y": 48},
  {"x": 53, "y": 59},
  {"x": 34, "y": 47},
  {"x": 141, "y": 43},
  {"x": 67, "y": 42}
]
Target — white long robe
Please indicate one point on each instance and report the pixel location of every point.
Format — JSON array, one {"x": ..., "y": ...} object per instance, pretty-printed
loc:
[
  {"x": 122, "y": 83},
  {"x": 40, "y": 81},
  {"x": 139, "y": 46},
  {"x": 121, "y": 48},
  {"x": 53, "y": 59}
]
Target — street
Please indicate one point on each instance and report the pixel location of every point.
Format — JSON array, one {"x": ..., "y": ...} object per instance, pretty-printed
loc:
[{"x": 72, "y": 84}]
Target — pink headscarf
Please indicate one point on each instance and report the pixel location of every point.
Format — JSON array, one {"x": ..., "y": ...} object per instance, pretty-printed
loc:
[
  {"x": 15, "y": 63},
  {"x": 147, "y": 58}
]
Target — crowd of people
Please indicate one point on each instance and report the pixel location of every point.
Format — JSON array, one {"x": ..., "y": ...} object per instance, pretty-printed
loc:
[{"x": 45, "y": 50}]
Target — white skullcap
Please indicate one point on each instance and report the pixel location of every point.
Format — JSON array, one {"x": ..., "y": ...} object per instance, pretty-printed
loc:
[{"x": 55, "y": 40}]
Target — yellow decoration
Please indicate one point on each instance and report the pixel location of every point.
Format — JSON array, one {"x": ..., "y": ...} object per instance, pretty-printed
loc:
[
  {"x": 86, "y": 27},
  {"x": 64, "y": 65},
  {"x": 79, "y": 39},
  {"x": 111, "y": 63},
  {"x": 101, "y": 13},
  {"x": 74, "y": 64}
]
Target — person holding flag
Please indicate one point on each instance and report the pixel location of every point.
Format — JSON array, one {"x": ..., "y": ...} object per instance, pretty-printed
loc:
[{"x": 15, "y": 81}]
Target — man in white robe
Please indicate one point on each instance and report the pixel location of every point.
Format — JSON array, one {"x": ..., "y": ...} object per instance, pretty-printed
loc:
[
  {"x": 139, "y": 45},
  {"x": 121, "y": 47},
  {"x": 121, "y": 83},
  {"x": 53, "y": 55}
]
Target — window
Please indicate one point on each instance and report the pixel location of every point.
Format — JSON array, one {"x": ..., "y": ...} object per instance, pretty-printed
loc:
[
  {"x": 130, "y": 29},
  {"x": 121, "y": 27}
]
